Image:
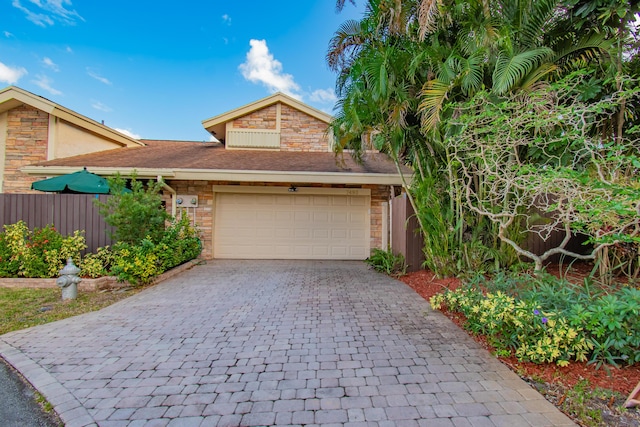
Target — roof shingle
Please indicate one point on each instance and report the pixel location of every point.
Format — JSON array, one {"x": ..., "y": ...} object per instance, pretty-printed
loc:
[{"x": 188, "y": 155}]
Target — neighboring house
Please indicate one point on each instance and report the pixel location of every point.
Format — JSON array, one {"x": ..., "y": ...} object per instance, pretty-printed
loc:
[
  {"x": 271, "y": 189},
  {"x": 34, "y": 129}
]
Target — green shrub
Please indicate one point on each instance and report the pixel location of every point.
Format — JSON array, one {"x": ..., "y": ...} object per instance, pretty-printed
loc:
[
  {"x": 516, "y": 326},
  {"x": 611, "y": 323},
  {"x": 40, "y": 253},
  {"x": 136, "y": 215},
  {"x": 387, "y": 262},
  {"x": 140, "y": 263},
  {"x": 9, "y": 265},
  {"x": 98, "y": 264},
  {"x": 545, "y": 319},
  {"x": 135, "y": 263}
]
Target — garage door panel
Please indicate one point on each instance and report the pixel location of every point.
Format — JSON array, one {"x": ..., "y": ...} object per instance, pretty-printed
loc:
[{"x": 291, "y": 226}]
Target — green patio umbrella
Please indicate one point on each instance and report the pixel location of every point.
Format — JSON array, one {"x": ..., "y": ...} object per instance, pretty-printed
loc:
[{"x": 83, "y": 182}]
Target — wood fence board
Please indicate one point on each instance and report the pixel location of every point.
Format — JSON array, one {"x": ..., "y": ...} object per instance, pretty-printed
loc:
[{"x": 66, "y": 212}]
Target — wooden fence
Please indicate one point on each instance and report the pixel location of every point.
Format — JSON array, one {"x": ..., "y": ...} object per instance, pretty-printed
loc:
[
  {"x": 406, "y": 238},
  {"x": 66, "y": 212}
]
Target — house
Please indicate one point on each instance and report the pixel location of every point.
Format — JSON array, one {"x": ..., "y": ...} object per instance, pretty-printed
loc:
[
  {"x": 271, "y": 188},
  {"x": 34, "y": 129}
]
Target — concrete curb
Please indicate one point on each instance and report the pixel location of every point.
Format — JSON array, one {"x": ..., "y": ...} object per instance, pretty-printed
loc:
[{"x": 92, "y": 285}]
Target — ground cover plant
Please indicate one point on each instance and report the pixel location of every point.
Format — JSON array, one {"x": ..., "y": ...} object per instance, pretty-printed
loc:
[{"x": 592, "y": 392}]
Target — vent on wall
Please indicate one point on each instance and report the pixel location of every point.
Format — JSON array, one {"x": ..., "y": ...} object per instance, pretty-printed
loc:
[{"x": 253, "y": 139}]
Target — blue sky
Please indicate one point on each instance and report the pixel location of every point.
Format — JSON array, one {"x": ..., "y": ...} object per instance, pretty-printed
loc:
[{"x": 157, "y": 69}]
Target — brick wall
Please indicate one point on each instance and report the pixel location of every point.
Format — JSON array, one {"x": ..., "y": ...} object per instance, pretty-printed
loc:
[
  {"x": 261, "y": 119},
  {"x": 302, "y": 132},
  {"x": 26, "y": 143},
  {"x": 203, "y": 215},
  {"x": 298, "y": 131},
  {"x": 379, "y": 195}
]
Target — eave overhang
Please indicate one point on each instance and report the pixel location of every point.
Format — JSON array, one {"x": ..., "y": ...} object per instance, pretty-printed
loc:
[{"x": 230, "y": 175}]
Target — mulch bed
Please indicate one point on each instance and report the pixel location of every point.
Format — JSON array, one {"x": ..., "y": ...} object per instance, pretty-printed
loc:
[{"x": 557, "y": 380}]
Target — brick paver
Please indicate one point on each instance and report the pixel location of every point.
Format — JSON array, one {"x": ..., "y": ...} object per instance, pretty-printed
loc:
[{"x": 272, "y": 343}]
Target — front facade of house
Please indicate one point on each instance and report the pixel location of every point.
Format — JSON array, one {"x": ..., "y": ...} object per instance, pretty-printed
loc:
[{"x": 272, "y": 188}]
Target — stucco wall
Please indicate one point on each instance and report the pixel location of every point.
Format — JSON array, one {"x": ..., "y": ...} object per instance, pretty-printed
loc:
[
  {"x": 70, "y": 140},
  {"x": 204, "y": 213}
]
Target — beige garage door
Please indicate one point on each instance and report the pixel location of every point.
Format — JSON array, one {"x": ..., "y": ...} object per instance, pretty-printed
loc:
[{"x": 291, "y": 226}]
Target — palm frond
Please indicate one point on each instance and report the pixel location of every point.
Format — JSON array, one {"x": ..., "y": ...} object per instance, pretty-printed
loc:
[
  {"x": 471, "y": 73},
  {"x": 511, "y": 69},
  {"x": 586, "y": 49},
  {"x": 350, "y": 36},
  {"x": 537, "y": 17},
  {"x": 433, "y": 95},
  {"x": 530, "y": 82},
  {"x": 427, "y": 16}
]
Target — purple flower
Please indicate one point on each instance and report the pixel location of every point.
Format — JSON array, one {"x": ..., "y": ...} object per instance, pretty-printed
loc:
[
  {"x": 536, "y": 312},
  {"x": 544, "y": 320}
]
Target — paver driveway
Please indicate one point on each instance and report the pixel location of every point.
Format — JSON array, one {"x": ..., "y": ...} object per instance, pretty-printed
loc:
[{"x": 250, "y": 343}]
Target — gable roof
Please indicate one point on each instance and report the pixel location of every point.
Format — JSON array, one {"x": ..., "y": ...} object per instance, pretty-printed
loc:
[
  {"x": 187, "y": 160},
  {"x": 216, "y": 123},
  {"x": 12, "y": 97}
]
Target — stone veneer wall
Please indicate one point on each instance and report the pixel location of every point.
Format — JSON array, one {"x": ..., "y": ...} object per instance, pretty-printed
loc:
[
  {"x": 261, "y": 119},
  {"x": 204, "y": 212},
  {"x": 302, "y": 132},
  {"x": 26, "y": 143},
  {"x": 379, "y": 195}
]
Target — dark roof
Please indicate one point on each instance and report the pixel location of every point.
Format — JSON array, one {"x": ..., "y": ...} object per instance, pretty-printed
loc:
[{"x": 213, "y": 156}]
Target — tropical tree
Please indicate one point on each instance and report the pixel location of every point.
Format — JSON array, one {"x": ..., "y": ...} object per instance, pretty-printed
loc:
[{"x": 405, "y": 68}]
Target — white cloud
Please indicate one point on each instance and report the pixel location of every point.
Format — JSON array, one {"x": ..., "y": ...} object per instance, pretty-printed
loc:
[
  {"x": 323, "y": 95},
  {"x": 50, "y": 64},
  {"x": 128, "y": 133},
  {"x": 7, "y": 34},
  {"x": 44, "y": 83},
  {"x": 11, "y": 75},
  {"x": 226, "y": 18},
  {"x": 262, "y": 67},
  {"x": 100, "y": 106},
  {"x": 69, "y": 50},
  {"x": 98, "y": 77},
  {"x": 46, "y": 12}
]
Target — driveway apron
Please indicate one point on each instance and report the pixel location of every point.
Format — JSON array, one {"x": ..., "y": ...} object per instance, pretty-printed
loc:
[{"x": 248, "y": 343}]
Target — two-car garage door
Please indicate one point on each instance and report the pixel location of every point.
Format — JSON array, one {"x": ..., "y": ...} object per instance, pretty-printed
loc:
[{"x": 292, "y": 225}]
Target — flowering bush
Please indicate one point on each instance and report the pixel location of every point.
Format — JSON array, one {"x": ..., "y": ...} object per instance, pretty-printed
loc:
[
  {"x": 544, "y": 319},
  {"x": 39, "y": 253},
  {"x": 515, "y": 325}
]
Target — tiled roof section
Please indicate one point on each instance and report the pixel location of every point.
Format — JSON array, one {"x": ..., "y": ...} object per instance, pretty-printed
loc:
[{"x": 213, "y": 156}]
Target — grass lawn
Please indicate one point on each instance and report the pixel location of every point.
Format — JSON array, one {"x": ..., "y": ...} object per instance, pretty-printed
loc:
[{"x": 23, "y": 308}]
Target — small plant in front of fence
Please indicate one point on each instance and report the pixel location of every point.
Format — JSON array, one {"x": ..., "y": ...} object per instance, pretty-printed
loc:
[
  {"x": 37, "y": 253},
  {"x": 387, "y": 262}
]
